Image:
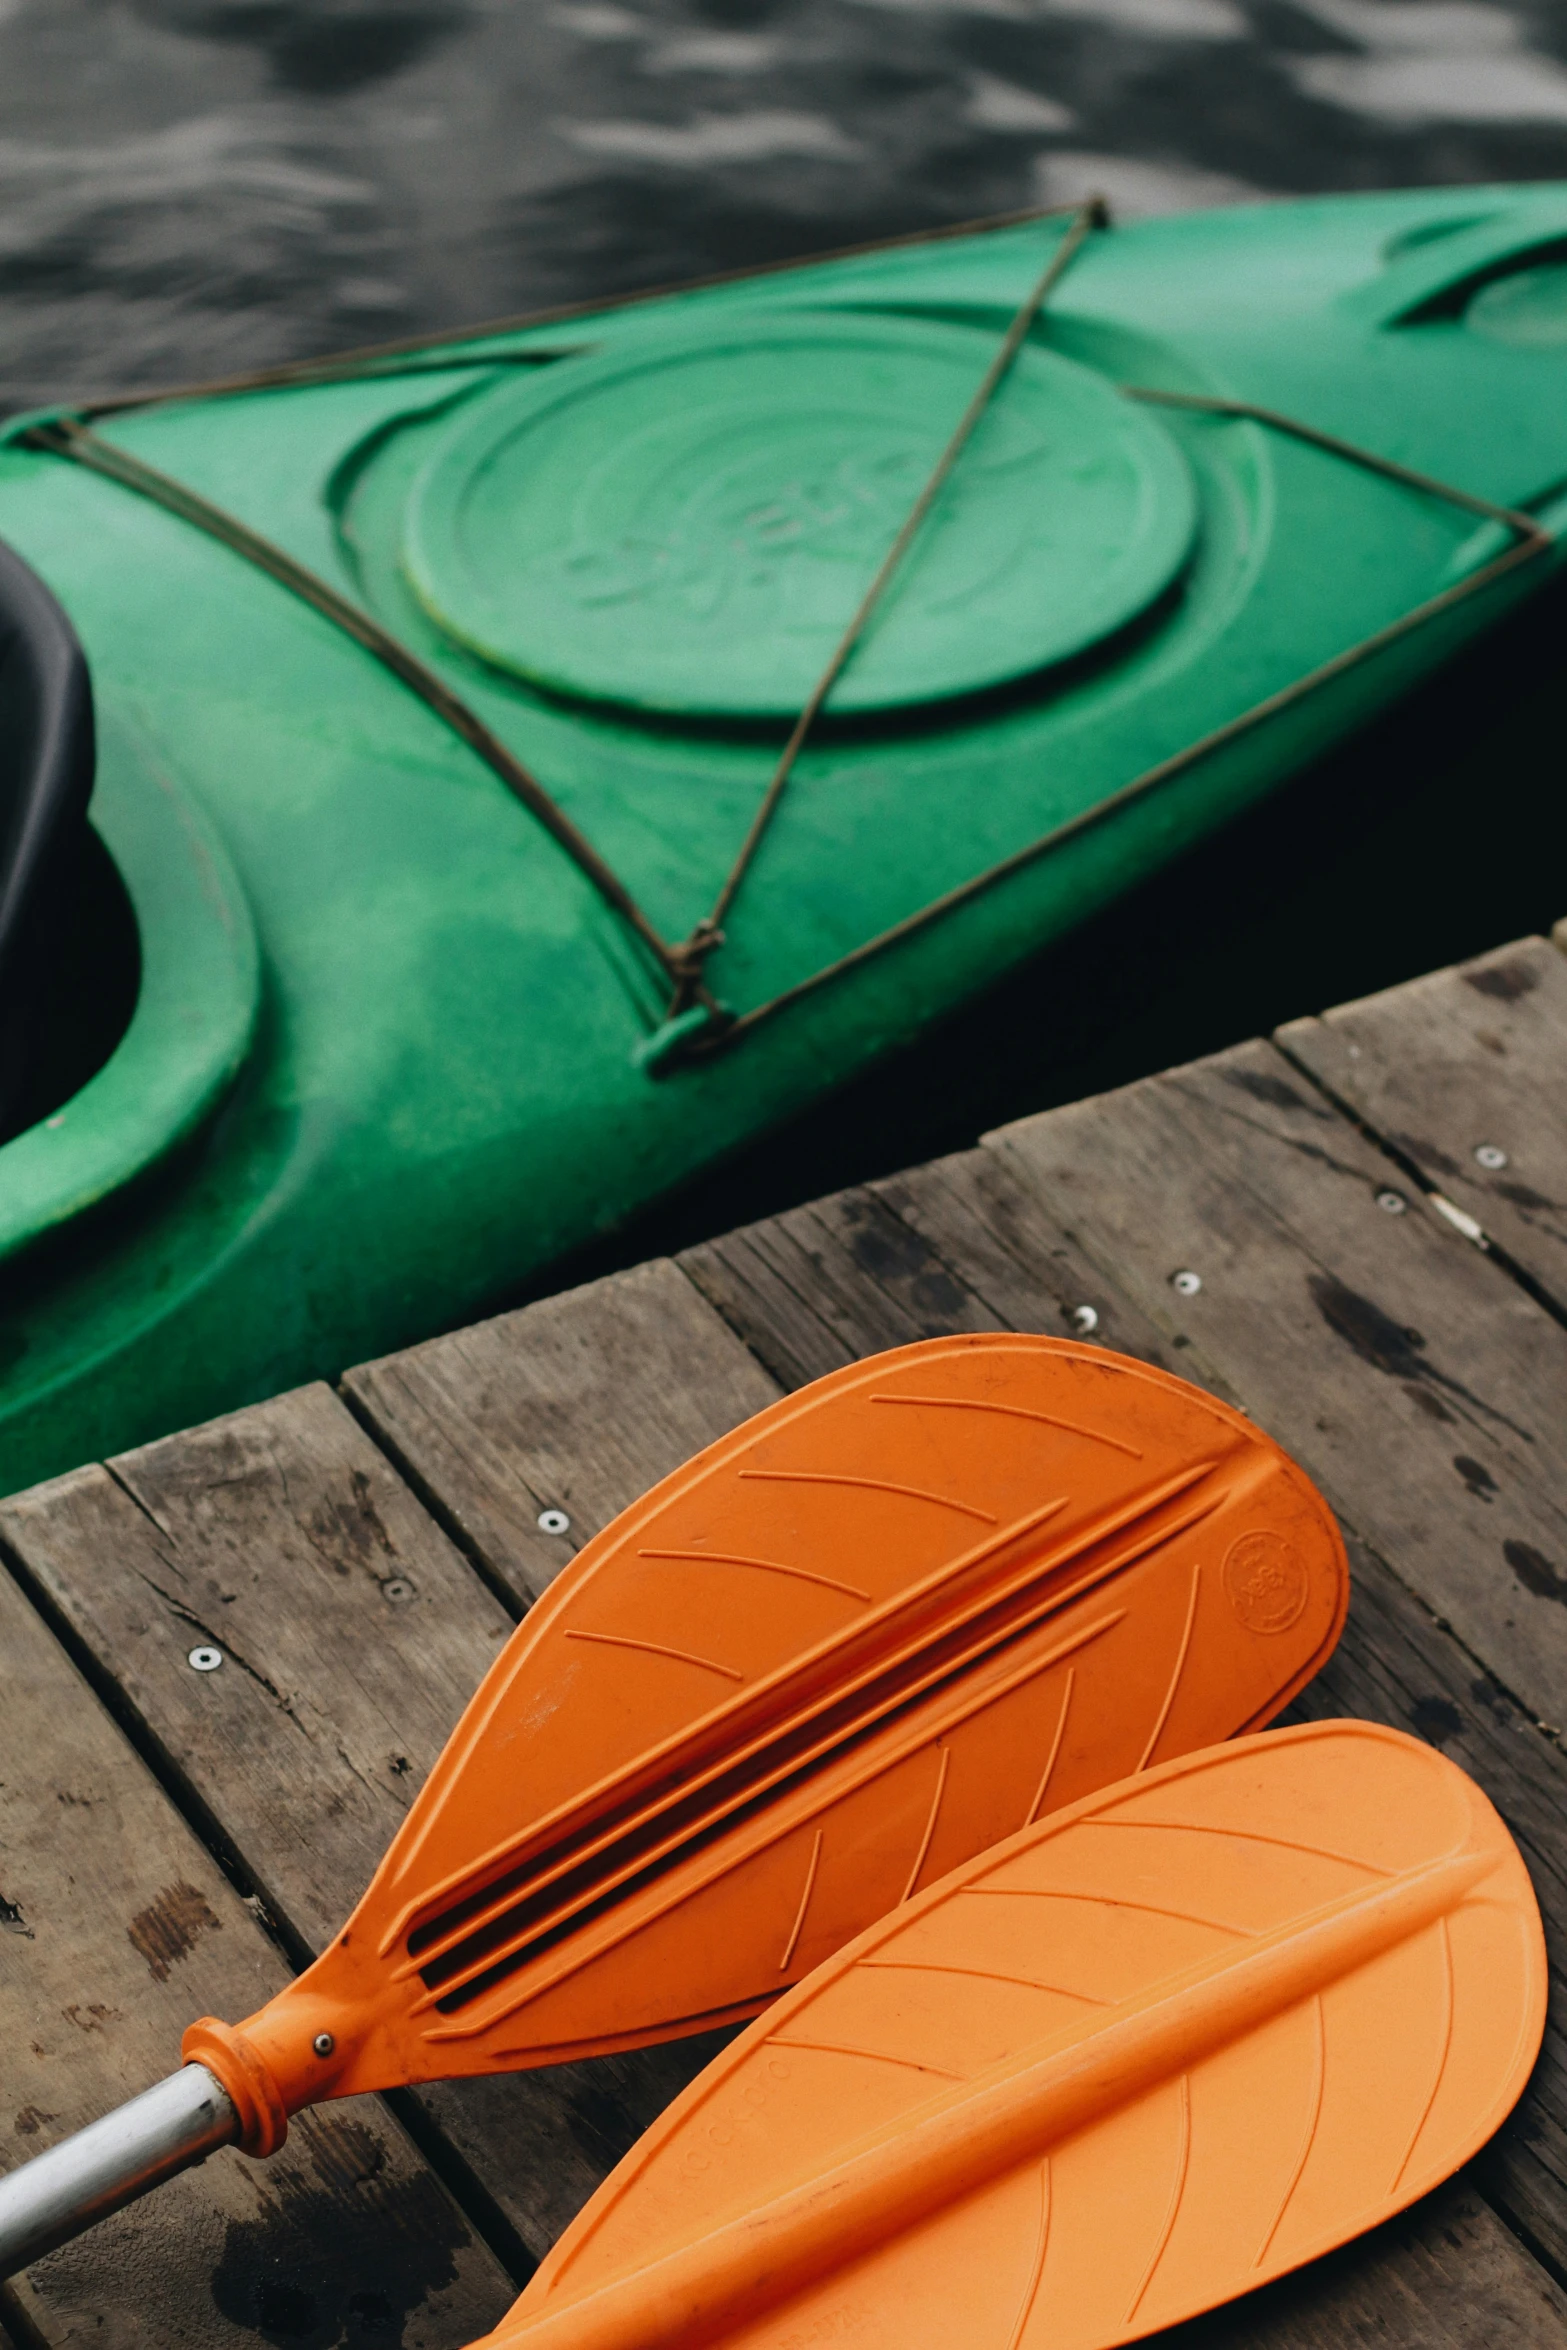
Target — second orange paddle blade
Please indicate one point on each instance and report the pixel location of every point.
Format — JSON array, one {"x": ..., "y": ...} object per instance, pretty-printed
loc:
[
  {"x": 877, "y": 1628},
  {"x": 1187, "y": 2035}
]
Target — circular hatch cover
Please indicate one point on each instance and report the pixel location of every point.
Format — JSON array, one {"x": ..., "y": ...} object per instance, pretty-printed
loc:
[{"x": 686, "y": 525}]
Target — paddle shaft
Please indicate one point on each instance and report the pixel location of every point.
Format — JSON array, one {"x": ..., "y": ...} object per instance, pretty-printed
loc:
[
  {"x": 975, "y": 2132},
  {"x": 98, "y": 2170}
]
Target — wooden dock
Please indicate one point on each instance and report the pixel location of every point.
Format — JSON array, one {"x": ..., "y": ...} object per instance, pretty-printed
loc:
[{"x": 1357, "y": 1230}]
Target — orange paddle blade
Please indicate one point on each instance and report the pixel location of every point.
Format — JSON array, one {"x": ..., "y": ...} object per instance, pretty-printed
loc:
[
  {"x": 872, "y": 1631},
  {"x": 1178, "y": 2039}
]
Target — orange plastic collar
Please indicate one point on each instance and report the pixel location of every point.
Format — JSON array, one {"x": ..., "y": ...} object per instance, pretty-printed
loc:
[{"x": 252, "y": 2091}]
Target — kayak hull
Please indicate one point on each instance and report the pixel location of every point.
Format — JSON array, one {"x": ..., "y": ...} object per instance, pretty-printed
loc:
[{"x": 388, "y": 1060}]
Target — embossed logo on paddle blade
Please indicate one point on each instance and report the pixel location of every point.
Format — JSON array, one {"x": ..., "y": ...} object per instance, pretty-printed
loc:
[{"x": 1266, "y": 1582}]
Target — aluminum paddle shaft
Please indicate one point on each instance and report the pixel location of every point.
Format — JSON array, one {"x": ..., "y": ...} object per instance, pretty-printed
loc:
[{"x": 164, "y": 2130}]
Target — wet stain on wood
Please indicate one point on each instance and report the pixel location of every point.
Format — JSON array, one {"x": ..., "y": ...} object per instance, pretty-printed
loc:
[
  {"x": 12, "y": 1920},
  {"x": 342, "y": 2260},
  {"x": 1378, "y": 1340},
  {"x": 169, "y": 1928},
  {"x": 1506, "y": 982},
  {"x": 887, "y": 1251},
  {"x": 1476, "y": 1476},
  {"x": 349, "y": 1533},
  {"x": 1428, "y": 1155},
  {"x": 1395, "y": 1349},
  {"x": 31, "y": 2120},
  {"x": 1435, "y": 1719},
  {"x": 1535, "y": 1571},
  {"x": 1264, "y": 1087},
  {"x": 1524, "y": 1196}
]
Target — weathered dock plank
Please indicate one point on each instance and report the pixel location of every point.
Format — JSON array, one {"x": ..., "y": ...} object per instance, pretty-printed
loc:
[
  {"x": 1425, "y": 1391},
  {"x": 576, "y": 1404},
  {"x": 1464, "y": 1074},
  {"x": 956, "y": 1245},
  {"x": 116, "y": 1929},
  {"x": 822, "y": 1285},
  {"x": 993, "y": 1233},
  {"x": 353, "y": 1635}
]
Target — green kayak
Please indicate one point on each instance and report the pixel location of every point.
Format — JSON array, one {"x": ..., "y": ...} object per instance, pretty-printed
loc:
[{"x": 540, "y": 761}]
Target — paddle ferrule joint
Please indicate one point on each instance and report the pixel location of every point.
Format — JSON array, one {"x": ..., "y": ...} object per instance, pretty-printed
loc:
[{"x": 246, "y": 2079}]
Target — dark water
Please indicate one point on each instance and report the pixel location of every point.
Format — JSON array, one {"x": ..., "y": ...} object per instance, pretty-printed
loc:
[{"x": 193, "y": 186}]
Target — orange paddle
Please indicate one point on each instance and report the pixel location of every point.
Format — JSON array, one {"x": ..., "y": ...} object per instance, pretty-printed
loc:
[
  {"x": 881, "y": 1625},
  {"x": 1185, "y": 2035}
]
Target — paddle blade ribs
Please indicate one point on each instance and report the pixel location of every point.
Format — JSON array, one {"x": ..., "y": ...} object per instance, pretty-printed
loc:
[
  {"x": 1178, "y": 2039},
  {"x": 877, "y": 1628}
]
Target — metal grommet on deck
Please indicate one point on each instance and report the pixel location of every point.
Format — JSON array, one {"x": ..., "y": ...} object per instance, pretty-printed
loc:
[
  {"x": 554, "y": 1522},
  {"x": 1186, "y": 1284},
  {"x": 205, "y": 1660},
  {"x": 1489, "y": 1155},
  {"x": 1392, "y": 1203},
  {"x": 1085, "y": 1320}
]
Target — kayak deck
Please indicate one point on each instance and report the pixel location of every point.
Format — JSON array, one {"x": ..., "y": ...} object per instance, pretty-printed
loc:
[
  {"x": 446, "y": 769},
  {"x": 1264, "y": 1221}
]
